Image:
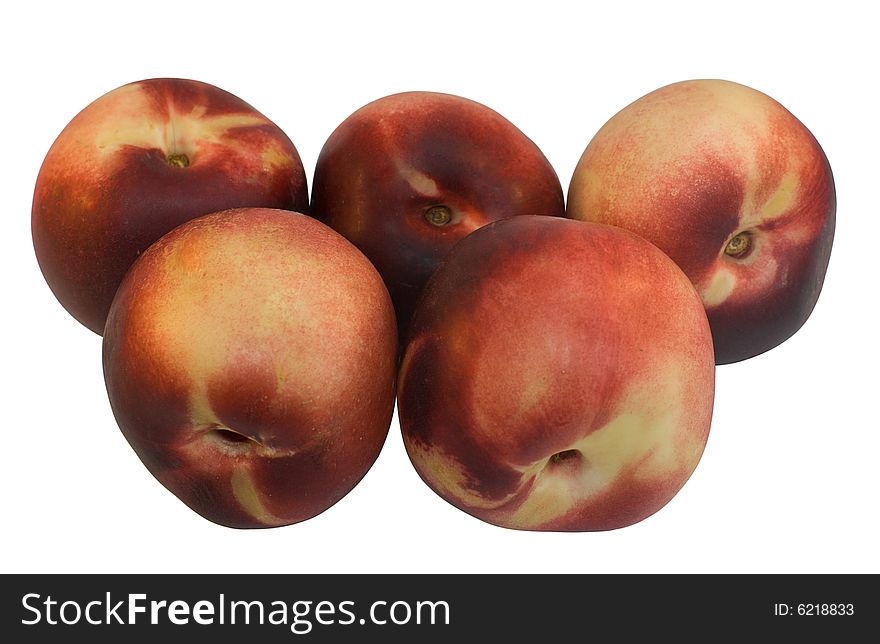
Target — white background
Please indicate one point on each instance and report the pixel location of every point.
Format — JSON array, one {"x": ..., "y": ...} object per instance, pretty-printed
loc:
[{"x": 789, "y": 480}]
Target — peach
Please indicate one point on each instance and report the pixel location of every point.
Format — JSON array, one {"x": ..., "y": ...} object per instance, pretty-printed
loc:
[
  {"x": 140, "y": 161},
  {"x": 559, "y": 375},
  {"x": 732, "y": 187},
  {"x": 405, "y": 177},
  {"x": 250, "y": 358}
]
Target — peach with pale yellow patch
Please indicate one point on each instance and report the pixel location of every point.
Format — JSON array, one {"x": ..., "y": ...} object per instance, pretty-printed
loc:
[
  {"x": 559, "y": 376},
  {"x": 250, "y": 360},
  {"x": 406, "y": 176},
  {"x": 732, "y": 187},
  {"x": 138, "y": 162}
]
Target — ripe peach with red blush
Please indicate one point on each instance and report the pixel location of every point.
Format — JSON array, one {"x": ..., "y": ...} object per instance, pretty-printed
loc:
[
  {"x": 559, "y": 375},
  {"x": 732, "y": 187},
  {"x": 250, "y": 358},
  {"x": 407, "y": 176},
  {"x": 139, "y": 161}
]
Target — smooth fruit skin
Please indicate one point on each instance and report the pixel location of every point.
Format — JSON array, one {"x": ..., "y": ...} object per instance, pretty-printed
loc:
[
  {"x": 250, "y": 358},
  {"x": 559, "y": 376},
  {"x": 140, "y": 161},
  {"x": 405, "y": 177},
  {"x": 732, "y": 187}
]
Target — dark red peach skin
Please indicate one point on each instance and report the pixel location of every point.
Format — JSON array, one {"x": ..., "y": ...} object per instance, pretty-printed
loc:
[
  {"x": 385, "y": 168},
  {"x": 140, "y": 161}
]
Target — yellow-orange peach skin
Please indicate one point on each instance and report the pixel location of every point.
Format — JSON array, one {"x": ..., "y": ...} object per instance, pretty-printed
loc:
[{"x": 559, "y": 376}]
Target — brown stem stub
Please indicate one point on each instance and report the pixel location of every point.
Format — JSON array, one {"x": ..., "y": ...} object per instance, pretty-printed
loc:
[
  {"x": 739, "y": 245},
  {"x": 438, "y": 215},
  {"x": 178, "y": 160}
]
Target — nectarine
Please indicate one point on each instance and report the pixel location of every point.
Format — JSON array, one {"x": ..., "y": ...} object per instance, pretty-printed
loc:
[
  {"x": 408, "y": 175},
  {"x": 559, "y": 375},
  {"x": 250, "y": 358},
  {"x": 732, "y": 187},
  {"x": 139, "y": 161}
]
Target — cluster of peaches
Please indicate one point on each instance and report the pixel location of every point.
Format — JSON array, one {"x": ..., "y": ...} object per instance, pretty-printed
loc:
[{"x": 553, "y": 364}]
